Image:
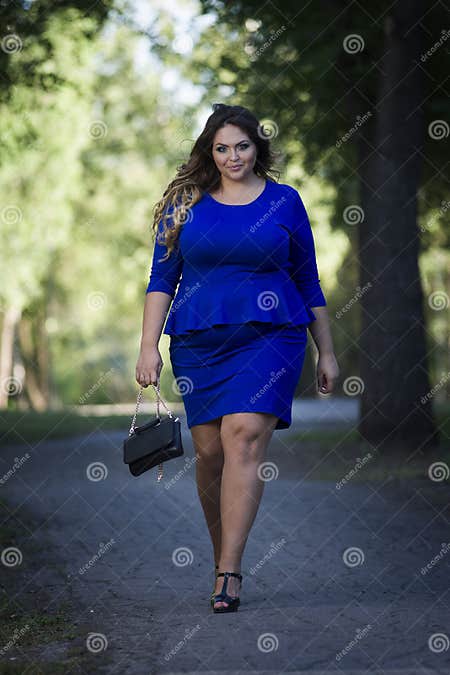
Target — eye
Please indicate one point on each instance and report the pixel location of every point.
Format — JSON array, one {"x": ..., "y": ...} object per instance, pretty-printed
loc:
[{"x": 244, "y": 146}]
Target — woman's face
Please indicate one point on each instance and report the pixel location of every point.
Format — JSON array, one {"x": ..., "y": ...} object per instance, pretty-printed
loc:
[{"x": 233, "y": 148}]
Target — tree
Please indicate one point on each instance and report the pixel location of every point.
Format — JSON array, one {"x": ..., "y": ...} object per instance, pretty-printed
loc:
[{"x": 364, "y": 94}]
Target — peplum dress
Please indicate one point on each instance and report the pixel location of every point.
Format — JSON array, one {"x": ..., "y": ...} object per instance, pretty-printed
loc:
[{"x": 243, "y": 280}]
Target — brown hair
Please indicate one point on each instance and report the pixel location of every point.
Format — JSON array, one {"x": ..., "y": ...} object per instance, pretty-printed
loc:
[{"x": 200, "y": 173}]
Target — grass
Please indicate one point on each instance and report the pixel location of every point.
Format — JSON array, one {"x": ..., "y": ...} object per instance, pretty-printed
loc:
[
  {"x": 18, "y": 427},
  {"x": 24, "y": 619}
]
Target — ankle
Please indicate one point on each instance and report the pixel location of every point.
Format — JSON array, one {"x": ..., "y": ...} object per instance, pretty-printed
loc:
[{"x": 229, "y": 567}]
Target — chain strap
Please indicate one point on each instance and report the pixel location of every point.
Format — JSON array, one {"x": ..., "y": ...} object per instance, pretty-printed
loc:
[{"x": 133, "y": 423}]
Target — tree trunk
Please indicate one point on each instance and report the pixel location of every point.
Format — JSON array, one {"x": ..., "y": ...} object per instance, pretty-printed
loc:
[
  {"x": 33, "y": 350},
  {"x": 11, "y": 317},
  {"x": 393, "y": 365}
]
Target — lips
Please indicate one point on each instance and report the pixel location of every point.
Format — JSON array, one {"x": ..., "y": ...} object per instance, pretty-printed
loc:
[{"x": 238, "y": 166}]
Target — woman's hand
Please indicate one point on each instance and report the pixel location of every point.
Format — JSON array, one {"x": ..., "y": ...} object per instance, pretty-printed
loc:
[
  {"x": 327, "y": 373},
  {"x": 148, "y": 366}
]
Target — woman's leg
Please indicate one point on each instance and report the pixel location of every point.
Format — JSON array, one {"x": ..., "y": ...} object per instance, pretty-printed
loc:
[
  {"x": 210, "y": 459},
  {"x": 245, "y": 437}
]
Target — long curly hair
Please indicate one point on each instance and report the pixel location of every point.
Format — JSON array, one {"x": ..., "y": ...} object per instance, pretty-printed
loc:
[{"x": 200, "y": 174}]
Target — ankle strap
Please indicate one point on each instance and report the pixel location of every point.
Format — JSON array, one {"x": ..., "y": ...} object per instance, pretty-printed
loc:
[{"x": 230, "y": 574}]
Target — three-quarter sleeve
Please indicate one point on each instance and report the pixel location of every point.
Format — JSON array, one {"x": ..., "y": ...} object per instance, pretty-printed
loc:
[
  {"x": 165, "y": 275},
  {"x": 302, "y": 256}
]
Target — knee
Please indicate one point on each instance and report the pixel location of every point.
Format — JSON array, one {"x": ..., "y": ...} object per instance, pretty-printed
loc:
[
  {"x": 209, "y": 455},
  {"x": 245, "y": 441}
]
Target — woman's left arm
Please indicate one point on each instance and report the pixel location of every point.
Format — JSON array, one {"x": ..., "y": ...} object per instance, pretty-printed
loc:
[{"x": 327, "y": 367}]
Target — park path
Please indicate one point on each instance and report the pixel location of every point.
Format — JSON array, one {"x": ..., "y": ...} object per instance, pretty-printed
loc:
[{"x": 332, "y": 577}]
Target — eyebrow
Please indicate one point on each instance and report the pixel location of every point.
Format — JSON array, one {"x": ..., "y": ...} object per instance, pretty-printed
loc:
[{"x": 246, "y": 140}]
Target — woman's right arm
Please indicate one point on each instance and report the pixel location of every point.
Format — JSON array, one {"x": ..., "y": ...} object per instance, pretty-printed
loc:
[
  {"x": 150, "y": 363},
  {"x": 164, "y": 278}
]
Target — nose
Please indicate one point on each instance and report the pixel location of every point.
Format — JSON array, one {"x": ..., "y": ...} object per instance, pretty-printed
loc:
[{"x": 234, "y": 155}]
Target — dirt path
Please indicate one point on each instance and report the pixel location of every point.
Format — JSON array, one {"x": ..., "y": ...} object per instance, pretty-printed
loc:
[{"x": 332, "y": 576}]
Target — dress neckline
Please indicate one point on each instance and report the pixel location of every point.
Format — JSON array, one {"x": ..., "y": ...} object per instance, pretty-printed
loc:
[{"x": 248, "y": 203}]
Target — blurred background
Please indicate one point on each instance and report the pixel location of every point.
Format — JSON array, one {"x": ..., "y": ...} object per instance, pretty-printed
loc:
[{"x": 99, "y": 105}]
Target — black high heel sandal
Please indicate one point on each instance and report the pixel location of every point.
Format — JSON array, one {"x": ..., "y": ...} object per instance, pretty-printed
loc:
[
  {"x": 233, "y": 603},
  {"x": 213, "y": 594}
]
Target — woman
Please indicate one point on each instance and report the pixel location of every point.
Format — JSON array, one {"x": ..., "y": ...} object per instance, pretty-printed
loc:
[{"x": 244, "y": 250}]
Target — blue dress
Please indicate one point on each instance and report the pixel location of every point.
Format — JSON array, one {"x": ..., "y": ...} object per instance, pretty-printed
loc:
[{"x": 247, "y": 282}]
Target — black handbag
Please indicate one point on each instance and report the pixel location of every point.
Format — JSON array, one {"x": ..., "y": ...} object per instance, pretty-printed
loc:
[{"x": 152, "y": 443}]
